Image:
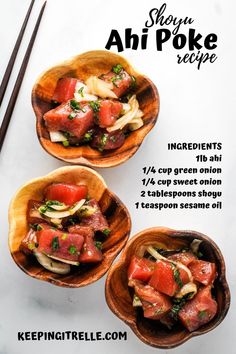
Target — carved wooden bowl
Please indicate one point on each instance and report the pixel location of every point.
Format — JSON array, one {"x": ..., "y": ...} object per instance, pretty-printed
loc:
[
  {"x": 82, "y": 66},
  {"x": 116, "y": 213},
  {"x": 119, "y": 297}
]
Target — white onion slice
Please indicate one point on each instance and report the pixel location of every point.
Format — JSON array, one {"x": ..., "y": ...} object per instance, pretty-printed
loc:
[
  {"x": 53, "y": 266},
  {"x": 126, "y": 118},
  {"x": 100, "y": 87},
  {"x": 136, "y": 301},
  {"x": 87, "y": 210},
  {"x": 64, "y": 260},
  {"x": 135, "y": 124},
  {"x": 126, "y": 108},
  {"x": 189, "y": 288},
  {"x": 195, "y": 245},
  {"x": 64, "y": 214},
  {"x": 59, "y": 207},
  {"x": 82, "y": 93},
  {"x": 57, "y": 137}
]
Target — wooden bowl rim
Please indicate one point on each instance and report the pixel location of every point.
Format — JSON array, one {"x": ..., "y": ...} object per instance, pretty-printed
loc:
[
  {"x": 104, "y": 163},
  {"x": 173, "y": 233},
  {"x": 54, "y": 174}
]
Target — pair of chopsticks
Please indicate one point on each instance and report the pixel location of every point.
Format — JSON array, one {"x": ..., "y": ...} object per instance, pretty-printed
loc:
[{"x": 20, "y": 76}]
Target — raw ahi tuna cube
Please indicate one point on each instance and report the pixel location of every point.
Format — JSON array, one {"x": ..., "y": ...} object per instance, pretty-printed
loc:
[
  {"x": 29, "y": 242},
  {"x": 140, "y": 269},
  {"x": 183, "y": 257},
  {"x": 109, "y": 111},
  {"x": 103, "y": 140},
  {"x": 155, "y": 305},
  {"x": 62, "y": 245},
  {"x": 96, "y": 220},
  {"x": 67, "y": 119},
  {"x": 203, "y": 272},
  {"x": 89, "y": 253},
  {"x": 120, "y": 79},
  {"x": 167, "y": 278},
  {"x": 66, "y": 193},
  {"x": 198, "y": 311},
  {"x": 64, "y": 90}
]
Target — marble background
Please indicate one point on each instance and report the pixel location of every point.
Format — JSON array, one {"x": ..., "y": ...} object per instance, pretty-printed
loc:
[{"x": 196, "y": 106}]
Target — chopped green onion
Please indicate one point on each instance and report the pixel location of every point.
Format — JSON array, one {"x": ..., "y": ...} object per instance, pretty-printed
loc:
[
  {"x": 117, "y": 68},
  {"x": 106, "y": 232},
  {"x": 71, "y": 116},
  {"x": 66, "y": 143},
  {"x": 88, "y": 136},
  {"x": 36, "y": 227},
  {"x": 95, "y": 105},
  {"x": 202, "y": 314},
  {"x": 133, "y": 81},
  {"x": 72, "y": 249},
  {"x": 42, "y": 209},
  {"x": 98, "y": 244},
  {"x": 53, "y": 202},
  {"x": 64, "y": 236},
  {"x": 115, "y": 78},
  {"x": 177, "y": 278},
  {"x": 55, "y": 243},
  {"x": 31, "y": 246},
  {"x": 80, "y": 91},
  {"x": 74, "y": 105}
]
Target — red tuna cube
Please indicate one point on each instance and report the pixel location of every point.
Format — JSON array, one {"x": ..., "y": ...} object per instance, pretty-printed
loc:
[
  {"x": 109, "y": 111},
  {"x": 90, "y": 253},
  {"x": 155, "y": 305},
  {"x": 202, "y": 271},
  {"x": 60, "y": 244},
  {"x": 198, "y": 311},
  {"x": 140, "y": 269},
  {"x": 121, "y": 81},
  {"x": 64, "y": 90},
  {"x": 66, "y": 193},
  {"x": 167, "y": 278},
  {"x": 103, "y": 140},
  {"x": 65, "y": 118},
  {"x": 183, "y": 257},
  {"x": 96, "y": 220}
]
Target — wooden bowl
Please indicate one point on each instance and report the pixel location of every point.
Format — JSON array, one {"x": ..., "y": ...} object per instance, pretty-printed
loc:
[
  {"x": 82, "y": 66},
  {"x": 111, "y": 206},
  {"x": 119, "y": 298}
]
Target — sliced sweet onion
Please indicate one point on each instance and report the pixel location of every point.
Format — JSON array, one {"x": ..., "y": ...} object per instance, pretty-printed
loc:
[
  {"x": 82, "y": 93},
  {"x": 189, "y": 289},
  {"x": 100, "y": 87},
  {"x": 57, "y": 205},
  {"x": 135, "y": 124},
  {"x": 136, "y": 301},
  {"x": 53, "y": 266},
  {"x": 125, "y": 108},
  {"x": 64, "y": 260},
  {"x": 56, "y": 222},
  {"x": 57, "y": 137},
  {"x": 195, "y": 245},
  {"x": 179, "y": 265},
  {"x": 66, "y": 213},
  {"x": 126, "y": 118},
  {"x": 87, "y": 210}
]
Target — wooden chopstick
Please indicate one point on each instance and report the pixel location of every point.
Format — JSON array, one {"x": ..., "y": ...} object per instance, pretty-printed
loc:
[
  {"x": 19, "y": 79},
  {"x": 11, "y": 62}
]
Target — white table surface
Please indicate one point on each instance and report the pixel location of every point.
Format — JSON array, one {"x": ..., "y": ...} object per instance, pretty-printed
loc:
[{"x": 196, "y": 106}]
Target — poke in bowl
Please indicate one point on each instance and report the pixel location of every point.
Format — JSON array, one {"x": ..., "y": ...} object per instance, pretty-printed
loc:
[{"x": 94, "y": 109}]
